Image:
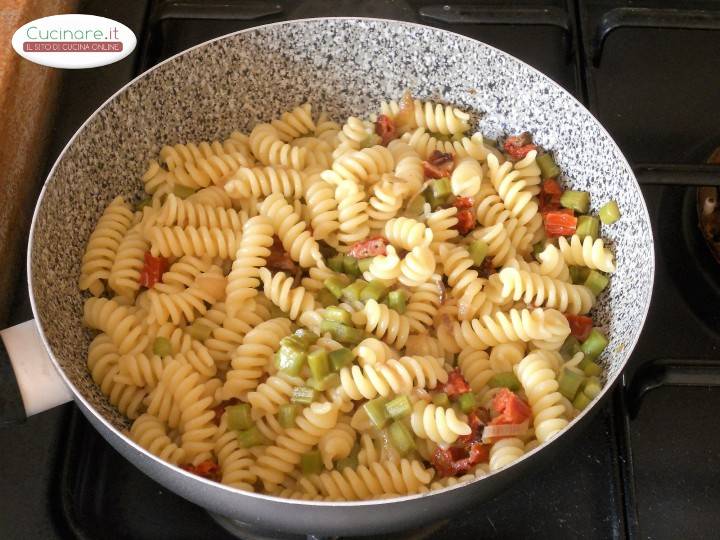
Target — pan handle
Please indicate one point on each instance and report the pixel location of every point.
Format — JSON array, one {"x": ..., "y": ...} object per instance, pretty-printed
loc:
[{"x": 29, "y": 383}]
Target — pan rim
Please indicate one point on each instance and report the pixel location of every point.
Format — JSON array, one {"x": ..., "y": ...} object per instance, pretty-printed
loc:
[{"x": 86, "y": 406}]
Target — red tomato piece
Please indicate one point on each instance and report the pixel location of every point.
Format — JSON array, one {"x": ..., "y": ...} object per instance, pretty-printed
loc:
[
  {"x": 207, "y": 469},
  {"x": 551, "y": 187},
  {"x": 385, "y": 127},
  {"x": 466, "y": 221},
  {"x": 456, "y": 384},
  {"x": 580, "y": 326},
  {"x": 432, "y": 171},
  {"x": 368, "y": 248},
  {"x": 153, "y": 269},
  {"x": 560, "y": 223},
  {"x": 462, "y": 203},
  {"x": 511, "y": 409},
  {"x": 517, "y": 146}
]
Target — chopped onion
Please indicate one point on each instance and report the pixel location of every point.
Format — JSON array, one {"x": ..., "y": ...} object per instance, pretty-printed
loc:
[{"x": 504, "y": 430}]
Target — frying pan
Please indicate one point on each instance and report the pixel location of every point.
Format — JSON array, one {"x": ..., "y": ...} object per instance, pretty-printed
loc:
[{"x": 344, "y": 66}]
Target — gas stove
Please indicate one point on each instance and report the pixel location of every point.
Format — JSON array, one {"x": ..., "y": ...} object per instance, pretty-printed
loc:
[{"x": 646, "y": 466}]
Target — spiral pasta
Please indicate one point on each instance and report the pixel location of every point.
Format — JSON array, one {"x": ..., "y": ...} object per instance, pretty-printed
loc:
[
  {"x": 586, "y": 252},
  {"x": 518, "y": 200},
  {"x": 278, "y": 460},
  {"x": 152, "y": 434},
  {"x": 352, "y": 212},
  {"x": 187, "y": 305},
  {"x": 384, "y": 267},
  {"x": 125, "y": 330},
  {"x": 524, "y": 325},
  {"x": 323, "y": 211},
  {"x": 475, "y": 366},
  {"x": 504, "y": 452},
  {"x": 268, "y": 147},
  {"x": 466, "y": 177},
  {"x": 234, "y": 461},
  {"x": 295, "y": 123},
  {"x": 386, "y": 323},
  {"x": 103, "y": 246},
  {"x": 440, "y": 425},
  {"x": 408, "y": 165},
  {"x": 465, "y": 281},
  {"x": 538, "y": 380},
  {"x": 364, "y": 165},
  {"x": 443, "y": 119},
  {"x": 395, "y": 376},
  {"x": 425, "y": 144},
  {"x": 140, "y": 370},
  {"x": 279, "y": 289},
  {"x": 225, "y": 338},
  {"x": 407, "y": 233},
  {"x": 354, "y": 134},
  {"x": 181, "y": 154},
  {"x": 386, "y": 200},
  {"x": 213, "y": 170},
  {"x": 371, "y": 351},
  {"x": 313, "y": 353},
  {"x": 261, "y": 182},
  {"x": 336, "y": 444},
  {"x": 543, "y": 290},
  {"x": 442, "y": 224},
  {"x": 499, "y": 246},
  {"x": 178, "y": 241},
  {"x": 417, "y": 266},
  {"x": 124, "y": 277},
  {"x": 251, "y": 358},
  {"x": 251, "y": 255},
  {"x": 377, "y": 480},
  {"x": 552, "y": 263},
  {"x": 423, "y": 304},
  {"x": 290, "y": 228},
  {"x": 102, "y": 363}
]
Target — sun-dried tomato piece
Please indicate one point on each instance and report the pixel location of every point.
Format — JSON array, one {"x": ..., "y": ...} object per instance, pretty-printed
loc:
[
  {"x": 152, "y": 270},
  {"x": 439, "y": 158},
  {"x": 279, "y": 259},
  {"x": 511, "y": 408},
  {"x": 466, "y": 221},
  {"x": 456, "y": 384},
  {"x": 517, "y": 146},
  {"x": 368, "y": 248},
  {"x": 462, "y": 203},
  {"x": 439, "y": 164},
  {"x": 560, "y": 223},
  {"x": 385, "y": 127},
  {"x": 206, "y": 469}
]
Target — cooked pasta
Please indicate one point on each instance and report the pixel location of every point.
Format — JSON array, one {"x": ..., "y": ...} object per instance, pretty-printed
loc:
[
  {"x": 586, "y": 252},
  {"x": 407, "y": 233},
  {"x": 103, "y": 246},
  {"x": 440, "y": 425},
  {"x": 244, "y": 277},
  {"x": 268, "y": 147},
  {"x": 315, "y": 312},
  {"x": 545, "y": 291},
  {"x": 259, "y": 182}
]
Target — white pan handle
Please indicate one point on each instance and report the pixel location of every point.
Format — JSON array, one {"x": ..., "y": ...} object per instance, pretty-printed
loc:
[{"x": 40, "y": 384}]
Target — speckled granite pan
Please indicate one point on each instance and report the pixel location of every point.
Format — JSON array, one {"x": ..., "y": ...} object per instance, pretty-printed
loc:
[{"x": 344, "y": 66}]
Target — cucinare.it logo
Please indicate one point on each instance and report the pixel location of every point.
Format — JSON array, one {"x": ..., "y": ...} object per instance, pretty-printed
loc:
[{"x": 74, "y": 41}]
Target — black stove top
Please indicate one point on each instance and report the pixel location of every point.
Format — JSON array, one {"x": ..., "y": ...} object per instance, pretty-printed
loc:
[{"x": 647, "y": 465}]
